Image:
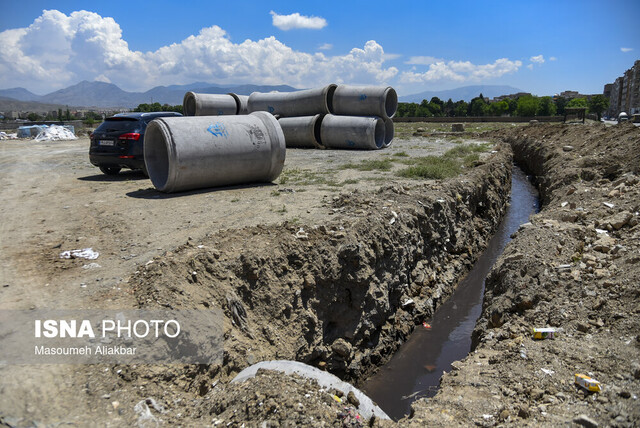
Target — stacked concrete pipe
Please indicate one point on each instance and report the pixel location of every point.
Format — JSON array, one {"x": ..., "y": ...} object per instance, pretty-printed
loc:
[
  {"x": 302, "y": 131},
  {"x": 197, "y": 104},
  {"x": 308, "y": 102}
]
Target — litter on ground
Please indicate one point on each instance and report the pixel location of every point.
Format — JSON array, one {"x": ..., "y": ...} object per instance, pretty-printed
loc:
[{"x": 85, "y": 253}]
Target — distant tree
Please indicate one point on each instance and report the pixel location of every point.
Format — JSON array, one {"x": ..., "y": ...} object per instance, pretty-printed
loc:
[
  {"x": 59, "y": 114},
  {"x": 404, "y": 109},
  {"x": 435, "y": 101},
  {"x": 478, "y": 106},
  {"x": 435, "y": 108},
  {"x": 561, "y": 103},
  {"x": 527, "y": 106},
  {"x": 598, "y": 104},
  {"x": 33, "y": 117},
  {"x": 67, "y": 115},
  {"x": 449, "y": 108},
  {"x": 578, "y": 102},
  {"x": 499, "y": 108},
  {"x": 146, "y": 108},
  {"x": 513, "y": 105},
  {"x": 546, "y": 107},
  {"x": 461, "y": 108}
]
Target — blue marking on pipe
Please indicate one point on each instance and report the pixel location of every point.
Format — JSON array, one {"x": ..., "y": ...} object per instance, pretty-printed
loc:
[
  {"x": 271, "y": 109},
  {"x": 218, "y": 130},
  {"x": 363, "y": 97},
  {"x": 350, "y": 143},
  {"x": 220, "y": 112}
]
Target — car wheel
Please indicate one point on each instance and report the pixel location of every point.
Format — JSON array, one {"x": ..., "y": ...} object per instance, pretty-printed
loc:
[
  {"x": 145, "y": 172},
  {"x": 110, "y": 170}
]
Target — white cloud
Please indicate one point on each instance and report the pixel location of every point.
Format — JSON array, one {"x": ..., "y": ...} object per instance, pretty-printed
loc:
[
  {"x": 530, "y": 66},
  {"x": 58, "y": 50},
  {"x": 461, "y": 71},
  {"x": 325, "y": 47},
  {"x": 538, "y": 59},
  {"x": 423, "y": 60},
  {"x": 553, "y": 58},
  {"x": 626, "y": 49},
  {"x": 295, "y": 20},
  {"x": 391, "y": 56}
]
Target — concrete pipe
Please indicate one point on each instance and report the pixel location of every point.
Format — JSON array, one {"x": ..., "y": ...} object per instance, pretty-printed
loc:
[
  {"x": 365, "y": 101},
  {"x": 303, "y": 131},
  {"x": 352, "y": 132},
  {"x": 195, "y": 104},
  {"x": 183, "y": 153},
  {"x": 308, "y": 102},
  {"x": 241, "y": 101},
  {"x": 389, "y": 132}
]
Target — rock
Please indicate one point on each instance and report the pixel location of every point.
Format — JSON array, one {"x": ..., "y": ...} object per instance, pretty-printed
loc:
[
  {"x": 624, "y": 394},
  {"x": 618, "y": 221},
  {"x": 585, "y": 421},
  {"x": 604, "y": 244},
  {"x": 457, "y": 127},
  {"x": 567, "y": 148},
  {"x": 523, "y": 412},
  {"x": 504, "y": 414},
  {"x": 352, "y": 399},
  {"x": 536, "y": 393},
  {"x": 420, "y": 130},
  {"x": 582, "y": 327},
  {"x": 342, "y": 348}
]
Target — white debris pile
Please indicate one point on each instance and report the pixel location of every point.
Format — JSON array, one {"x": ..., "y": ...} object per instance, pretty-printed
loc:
[
  {"x": 54, "y": 133},
  {"x": 5, "y": 136}
]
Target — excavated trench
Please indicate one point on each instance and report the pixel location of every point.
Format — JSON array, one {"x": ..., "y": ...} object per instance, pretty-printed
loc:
[
  {"x": 342, "y": 296},
  {"x": 415, "y": 369}
]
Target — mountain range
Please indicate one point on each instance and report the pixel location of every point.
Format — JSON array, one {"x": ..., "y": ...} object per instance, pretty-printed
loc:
[
  {"x": 103, "y": 95},
  {"x": 106, "y": 95}
]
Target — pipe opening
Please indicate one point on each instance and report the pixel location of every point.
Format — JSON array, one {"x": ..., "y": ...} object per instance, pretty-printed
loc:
[
  {"x": 379, "y": 133},
  {"x": 156, "y": 154},
  {"x": 330, "y": 92},
  {"x": 390, "y": 102},
  {"x": 189, "y": 104},
  {"x": 317, "y": 125},
  {"x": 388, "y": 132},
  {"x": 238, "y": 102}
]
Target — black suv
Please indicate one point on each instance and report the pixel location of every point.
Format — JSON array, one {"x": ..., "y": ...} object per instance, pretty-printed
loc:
[{"x": 118, "y": 142}]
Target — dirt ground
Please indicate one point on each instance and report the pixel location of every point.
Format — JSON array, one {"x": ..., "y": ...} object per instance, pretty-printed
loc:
[
  {"x": 373, "y": 241},
  {"x": 54, "y": 201}
]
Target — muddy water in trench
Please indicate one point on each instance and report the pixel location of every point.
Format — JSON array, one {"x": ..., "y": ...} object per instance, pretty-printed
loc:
[{"x": 414, "y": 371}]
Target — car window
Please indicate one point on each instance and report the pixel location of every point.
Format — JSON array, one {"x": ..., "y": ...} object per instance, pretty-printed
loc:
[{"x": 119, "y": 124}]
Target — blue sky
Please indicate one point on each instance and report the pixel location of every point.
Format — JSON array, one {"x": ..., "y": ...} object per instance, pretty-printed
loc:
[{"x": 543, "y": 47}]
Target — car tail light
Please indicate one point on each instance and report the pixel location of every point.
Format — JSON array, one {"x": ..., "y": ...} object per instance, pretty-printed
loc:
[
  {"x": 91, "y": 135},
  {"x": 126, "y": 157},
  {"x": 130, "y": 136}
]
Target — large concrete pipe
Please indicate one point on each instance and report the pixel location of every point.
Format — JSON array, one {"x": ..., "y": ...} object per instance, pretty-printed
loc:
[
  {"x": 389, "y": 132},
  {"x": 352, "y": 132},
  {"x": 242, "y": 101},
  {"x": 303, "y": 131},
  {"x": 308, "y": 102},
  {"x": 328, "y": 381},
  {"x": 195, "y": 104},
  {"x": 183, "y": 153},
  {"x": 365, "y": 101}
]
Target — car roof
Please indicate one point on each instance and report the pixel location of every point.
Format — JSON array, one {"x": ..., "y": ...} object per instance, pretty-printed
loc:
[{"x": 147, "y": 115}]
